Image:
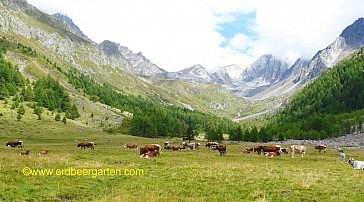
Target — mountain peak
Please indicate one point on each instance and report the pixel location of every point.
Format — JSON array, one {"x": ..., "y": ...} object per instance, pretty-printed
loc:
[
  {"x": 138, "y": 62},
  {"x": 71, "y": 25},
  {"x": 268, "y": 69},
  {"x": 354, "y": 34},
  {"x": 195, "y": 74},
  {"x": 198, "y": 66},
  {"x": 110, "y": 48}
]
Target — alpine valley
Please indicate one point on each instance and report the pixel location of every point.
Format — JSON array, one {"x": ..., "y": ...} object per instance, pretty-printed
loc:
[
  {"x": 87, "y": 121},
  {"x": 232, "y": 91}
]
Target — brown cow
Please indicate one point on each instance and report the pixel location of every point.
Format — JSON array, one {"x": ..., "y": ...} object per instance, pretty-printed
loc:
[
  {"x": 131, "y": 146},
  {"x": 209, "y": 144},
  {"x": 271, "y": 154},
  {"x": 266, "y": 148},
  {"x": 15, "y": 144},
  {"x": 83, "y": 145},
  {"x": 24, "y": 153},
  {"x": 247, "y": 151},
  {"x": 149, "y": 154},
  {"x": 151, "y": 147},
  {"x": 221, "y": 149},
  {"x": 321, "y": 147}
]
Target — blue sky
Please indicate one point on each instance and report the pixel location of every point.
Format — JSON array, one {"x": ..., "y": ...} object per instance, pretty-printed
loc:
[
  {"x": 176, "y": 34},
  {"x": 241, "y": 23}
]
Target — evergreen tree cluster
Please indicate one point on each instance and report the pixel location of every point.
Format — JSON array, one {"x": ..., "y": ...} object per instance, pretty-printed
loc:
[
  {"x": 26, "y": 49},
  {"x": 50, "y": 94},
  {"x": 10, "y": 79},
  {"x": 150, "y": 118},
  {"x": 329, "y": 107}
]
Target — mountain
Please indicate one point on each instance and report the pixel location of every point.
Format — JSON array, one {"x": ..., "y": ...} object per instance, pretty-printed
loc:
[
  {"x": 56, "y": 38},
  {"x": 57, "y": 47},
  {"x": 260, "y": 75},
  {"x": 267, "y": 70},
  {"x": 295, "y": 69},
  {"x": 350, "y": 40},
  {"x": 138, "y": 62},
  {"x": 196, "y": 74},
  {"x": 227, "y": 75},
  {"x": 72, "y": 26},
  {"x": 331, "y": 106}
]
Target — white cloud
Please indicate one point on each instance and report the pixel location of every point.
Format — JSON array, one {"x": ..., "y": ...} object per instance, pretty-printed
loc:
[
  {"x": 178, "y": 34},
  {"x": 241, "y": 42}
]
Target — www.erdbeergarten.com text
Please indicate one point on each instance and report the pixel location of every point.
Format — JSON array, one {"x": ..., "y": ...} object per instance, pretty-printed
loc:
[{"x": 93, "y": 172}]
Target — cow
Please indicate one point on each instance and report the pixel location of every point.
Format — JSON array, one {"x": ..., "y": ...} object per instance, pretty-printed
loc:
[
  {"x": 24, "y": 153},
  {"x": 221, "y": 149},
  {"x": 131, "y": 146},
  {"x": 193, "y": 145},
  {"x": 284, "y": 150},
  {"x": 342, "y": 156},
  {"x": 340, "y": 150},
  {"x": 321, "y": 147},
  {"x": 13, "y": 144},
  {"x": 209, "y": 144},
  {"x": 300, "y": 148},
  {"x": 151, "y": 147},
  {"x": 271, "y": 154},
  {"x": 149, "y": 154},
  {"x": 167, "y": 146},
  {"x": 247, "y": 151},
  {"x": 83, "y": 145},
  {"x": 266, "y": 148},
  {"x": 357, "y": 165},
  {"x": 44, "y": 152},
  {"x": 176, "y": 148}
]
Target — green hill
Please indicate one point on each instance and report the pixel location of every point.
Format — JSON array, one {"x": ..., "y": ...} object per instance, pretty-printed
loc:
[{"x": 331, "y": 106}]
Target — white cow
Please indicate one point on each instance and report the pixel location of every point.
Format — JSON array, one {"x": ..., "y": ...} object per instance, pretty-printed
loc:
[
  {"x": 299, "y": 148},
  {"x": 342, "y": 156},
  {"x": 357, "y": 165},
  {"x": 192, "y": 145}
]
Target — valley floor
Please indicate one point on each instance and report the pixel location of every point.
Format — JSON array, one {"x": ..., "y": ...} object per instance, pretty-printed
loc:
[{"x": 187, "y": 175}]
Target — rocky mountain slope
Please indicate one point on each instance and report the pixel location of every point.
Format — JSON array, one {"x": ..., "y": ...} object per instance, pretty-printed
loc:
[
  {"x": 196, "y": 74},
  {"x": 349, "y": 41},
  {"x": 136, "y": 62},
  {"x": 69, "y": 25},
  {"x": 59, "y": 40},
  {"x": 108, "y": 62}
]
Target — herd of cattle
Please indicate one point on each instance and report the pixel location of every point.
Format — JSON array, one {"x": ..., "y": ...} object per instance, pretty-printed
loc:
[{"x": 155, "y": 150}]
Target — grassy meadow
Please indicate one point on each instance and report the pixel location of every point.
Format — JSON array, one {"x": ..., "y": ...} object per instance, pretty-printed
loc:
[{"x": 200, "y": 175}]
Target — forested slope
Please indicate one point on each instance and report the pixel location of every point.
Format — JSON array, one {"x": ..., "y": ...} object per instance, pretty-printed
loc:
[{"x": 329, "y": 107}]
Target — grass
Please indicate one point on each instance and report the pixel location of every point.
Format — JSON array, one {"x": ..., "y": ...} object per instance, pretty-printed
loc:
[{"x": 200, "y": 175}]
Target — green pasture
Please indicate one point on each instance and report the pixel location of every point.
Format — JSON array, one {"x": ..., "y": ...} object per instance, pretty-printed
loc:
[{"x": 200, "y": 175}]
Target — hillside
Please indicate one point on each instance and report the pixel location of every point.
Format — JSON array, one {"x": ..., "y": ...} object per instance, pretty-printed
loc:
[
  {"x": 331, "y": 106},
  {"x": 135, "y": 115},
  {"x": 61, "y": 41}
]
